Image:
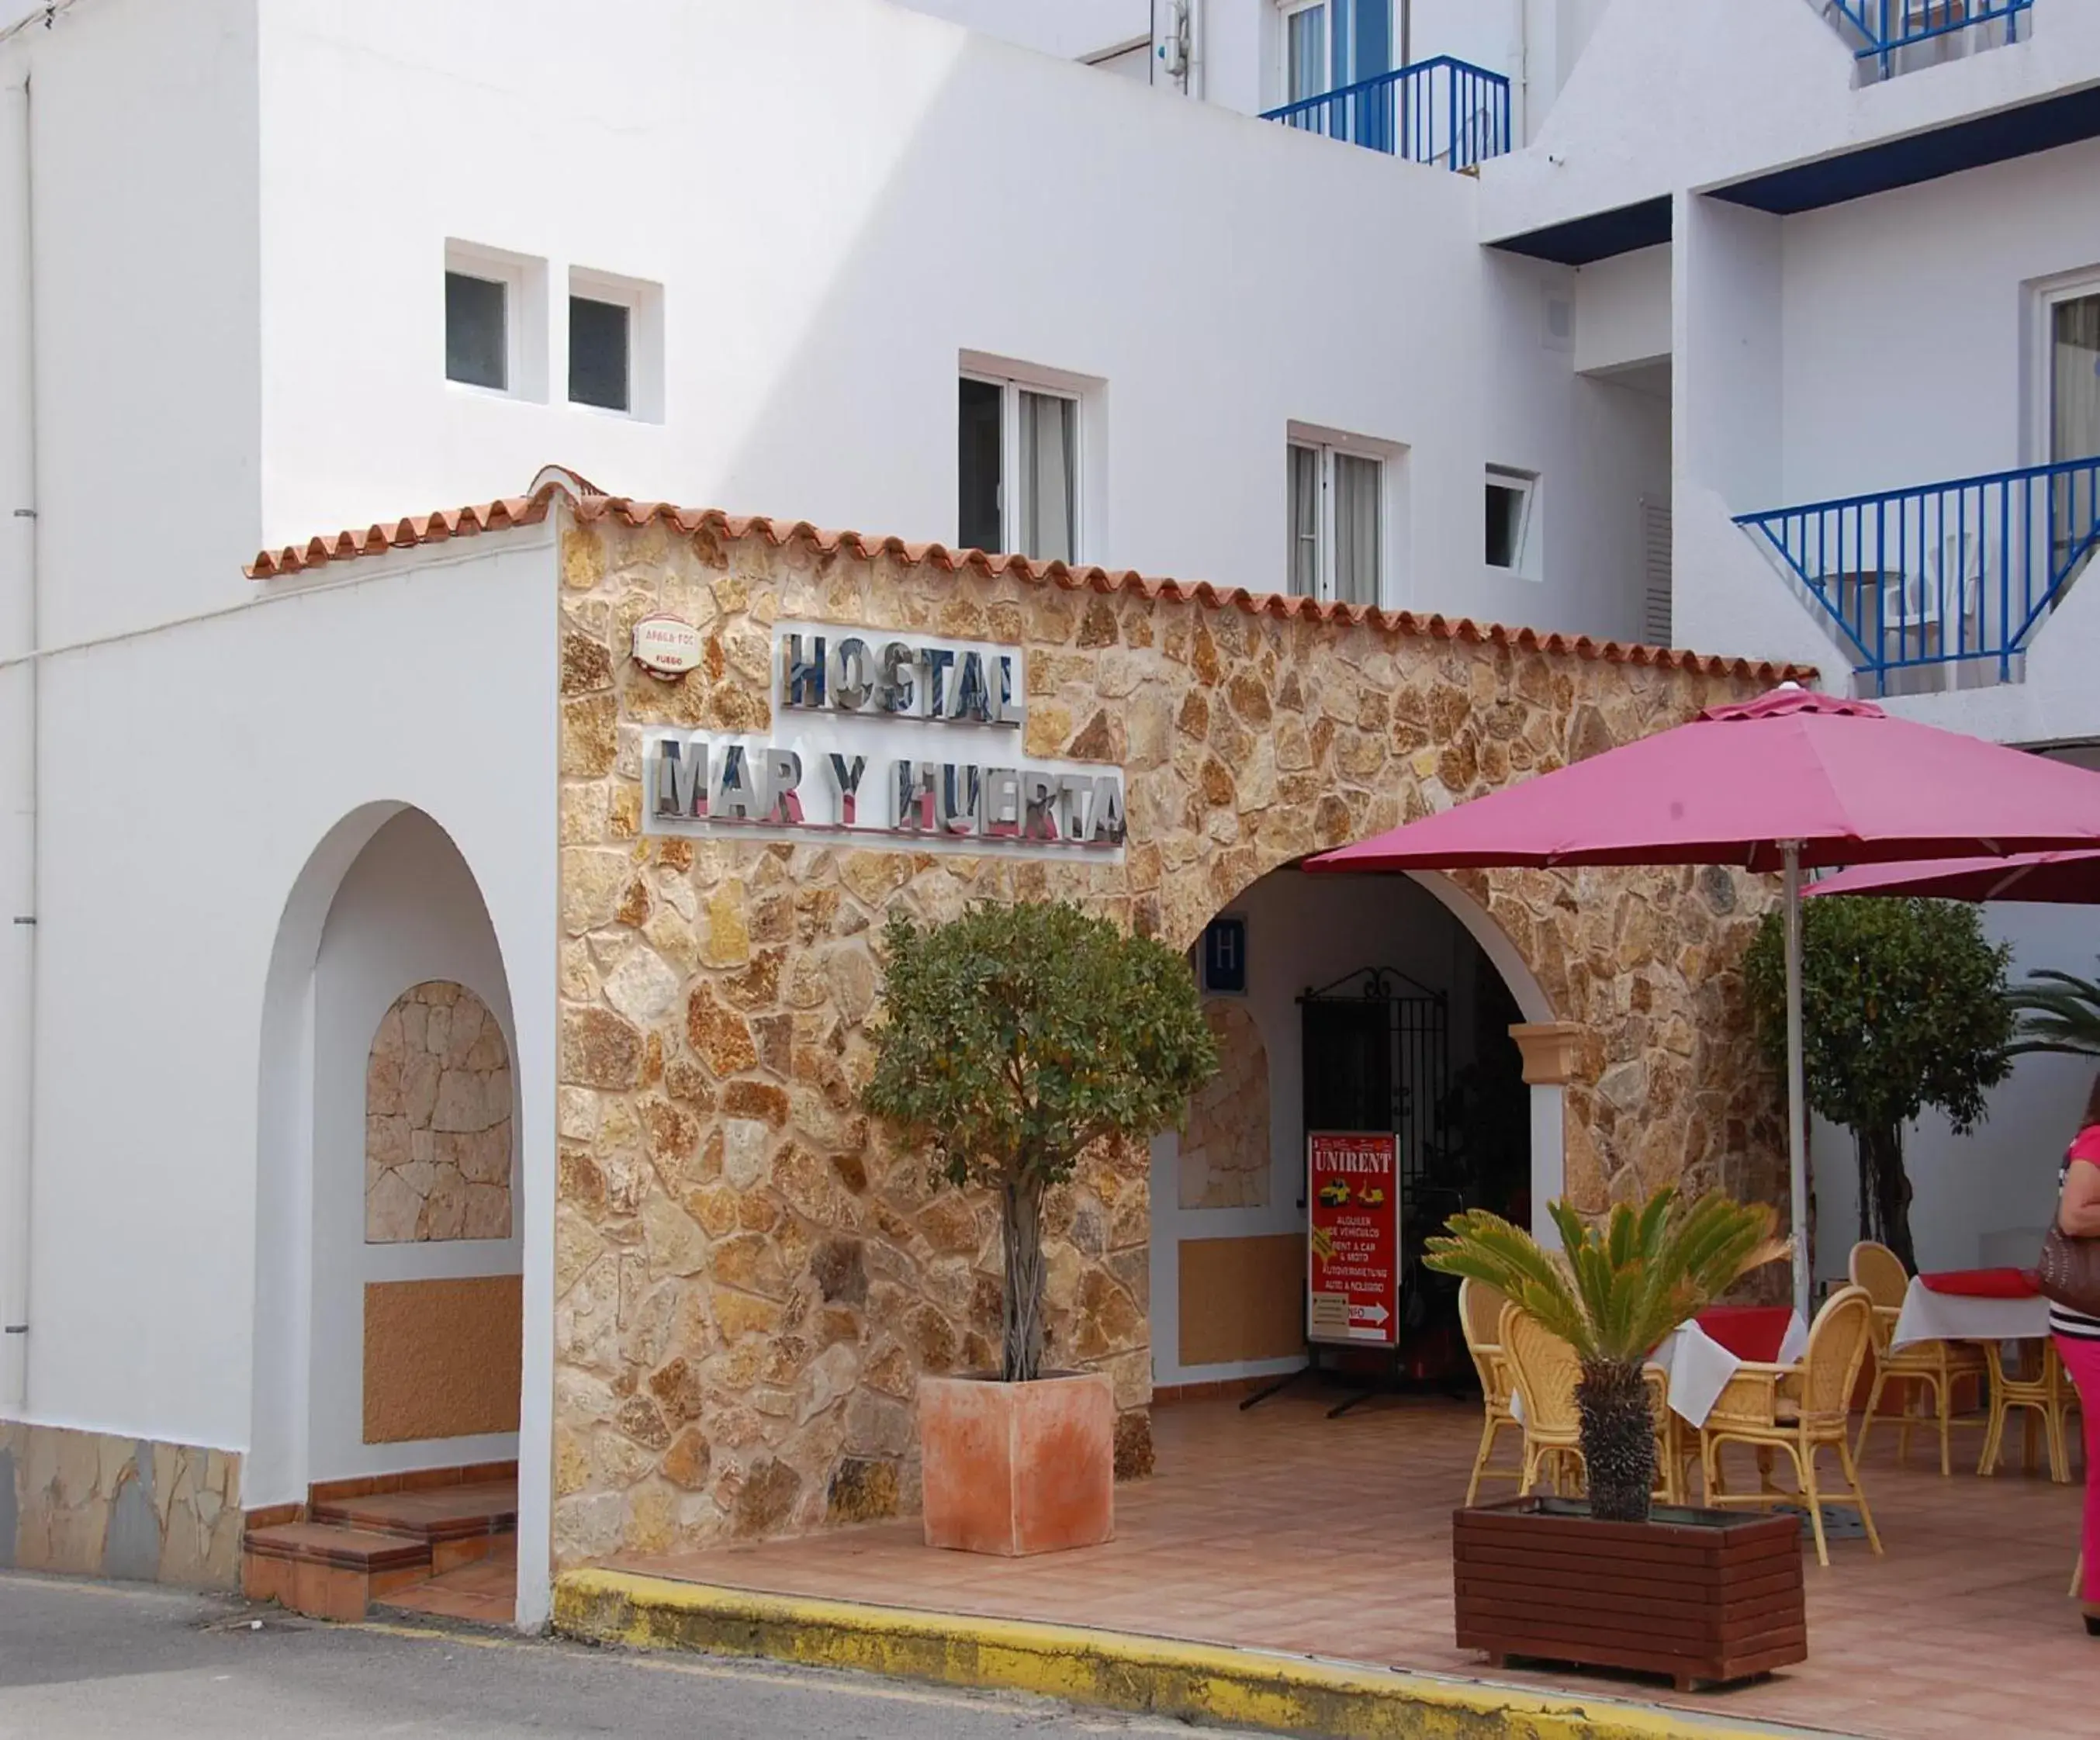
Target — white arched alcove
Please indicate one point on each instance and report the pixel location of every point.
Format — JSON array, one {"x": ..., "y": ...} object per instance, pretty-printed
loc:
[{"x": 385, "y": 903}]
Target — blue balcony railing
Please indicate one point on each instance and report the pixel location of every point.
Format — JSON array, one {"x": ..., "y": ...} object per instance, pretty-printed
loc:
[
  {"x": 1958, "y": 574},
  {"x": 1442, "y": 111},
  {"x": 1888, "y": 26}
]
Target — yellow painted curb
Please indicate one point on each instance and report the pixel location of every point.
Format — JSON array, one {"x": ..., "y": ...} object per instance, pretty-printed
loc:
[{"x": 1196, "y": 1682}]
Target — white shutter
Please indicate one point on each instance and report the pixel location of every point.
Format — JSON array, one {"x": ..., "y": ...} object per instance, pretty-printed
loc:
[{"x": 1655, "y": 573}]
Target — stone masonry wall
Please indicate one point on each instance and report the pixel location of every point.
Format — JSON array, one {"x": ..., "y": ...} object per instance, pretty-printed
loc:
[
  {"x": 749, "y": 1277},
  {"x": 95, "y": 1504}
]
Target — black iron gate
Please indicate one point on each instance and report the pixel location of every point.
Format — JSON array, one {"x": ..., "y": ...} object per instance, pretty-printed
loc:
[{"x": 1377, "y": 1056}]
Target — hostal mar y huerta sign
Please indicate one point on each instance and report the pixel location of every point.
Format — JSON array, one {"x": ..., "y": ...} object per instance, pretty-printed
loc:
[{"x": 904, "y": 737}]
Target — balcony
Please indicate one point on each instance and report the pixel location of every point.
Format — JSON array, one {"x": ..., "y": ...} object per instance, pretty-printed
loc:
[
  {"x": 1441, "y": 111},
  {"x": 1944, "y": 585},
  {"x": 1889, "y": 37}
]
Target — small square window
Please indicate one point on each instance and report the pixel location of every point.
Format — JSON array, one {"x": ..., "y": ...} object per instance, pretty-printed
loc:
[
  {"x": 599, "y": 354},
  {"x": 477, "y": 331},
  {"x": 1509, "y": 521},
  {"x": 496, "y": 321}
]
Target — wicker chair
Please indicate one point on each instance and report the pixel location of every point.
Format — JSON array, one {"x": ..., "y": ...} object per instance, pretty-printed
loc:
[
  {"x": 1480, "y": 1308},
  {"x": 1799, "y": 1409},
  {"x": 1544, "y": 1371},
  {"x": 1936, "y": 1365},
  {"x": 2048, "y": 1394}
]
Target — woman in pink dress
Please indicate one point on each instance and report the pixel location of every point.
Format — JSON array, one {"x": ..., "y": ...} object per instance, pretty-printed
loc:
[{"x": 2078, "y": 1336}]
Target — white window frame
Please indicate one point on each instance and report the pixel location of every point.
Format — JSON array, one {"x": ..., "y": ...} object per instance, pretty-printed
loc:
[
  {"x": 1329, "y": 445},
  {"x": 643, "y": 300},
  {"x": 524, "y": 281},
  {"x": 1526, "y": 483},
  {"x": 1012, "y": 381},
  {"x": 2046, "y": 294},
  {"x": 1285, "y": 11}
]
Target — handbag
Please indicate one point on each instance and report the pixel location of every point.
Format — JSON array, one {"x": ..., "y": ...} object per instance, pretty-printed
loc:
[{"x": 2067, "y": 1272}]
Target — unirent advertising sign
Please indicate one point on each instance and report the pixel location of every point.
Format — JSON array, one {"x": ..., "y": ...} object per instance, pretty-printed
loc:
[{"x": 1353, "y": 1246}]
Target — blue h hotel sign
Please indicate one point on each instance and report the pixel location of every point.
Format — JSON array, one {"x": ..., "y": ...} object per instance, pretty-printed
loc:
[{"x": 1224, "y": 956}]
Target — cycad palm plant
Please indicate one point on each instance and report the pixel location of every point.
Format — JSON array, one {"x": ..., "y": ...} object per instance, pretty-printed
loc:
[
  {"x": 2058, "y": 1012},
  {"x": 1613, "y": 1294}
]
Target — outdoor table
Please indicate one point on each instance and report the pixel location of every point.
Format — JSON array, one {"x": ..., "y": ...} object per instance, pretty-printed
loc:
[
  {"x": 1971, "y": 1304},
  {"x": 1700, "y": 1356}
]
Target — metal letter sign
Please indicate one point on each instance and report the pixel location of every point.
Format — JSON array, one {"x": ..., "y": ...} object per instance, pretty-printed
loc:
[
  {"x": 913, "y": 742},
  {"x": 1352, "y": 1245},
  {"x": 1224, "y": 956}
]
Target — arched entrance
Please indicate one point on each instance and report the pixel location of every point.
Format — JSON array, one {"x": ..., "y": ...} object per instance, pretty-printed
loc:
[
  {"x": 1359, "y": 1003},
  {"x": 389, "y": 1226}
]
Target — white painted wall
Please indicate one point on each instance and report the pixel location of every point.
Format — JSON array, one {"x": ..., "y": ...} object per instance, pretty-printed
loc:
[
  {"x": 1668, "y": 96},
  {"x": 408, "y": 911},
  {"x": 1906, "y": 326},
  {"x": 190, "y": 775},
  {"x": 146, "y": 310},
  {"x": 1304, "y": 933},
  {"x": 813, "y": 375},
  {"x": 1622, "y": 310},
  {"x": 1070, "y": 29},
  {"x": 2001, "y": 1179}
]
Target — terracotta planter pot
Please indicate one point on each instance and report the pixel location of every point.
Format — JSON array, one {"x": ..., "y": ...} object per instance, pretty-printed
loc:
[
  {"x": 1018, "y": 1469},
  {"x": 1701, "y": 1595}
]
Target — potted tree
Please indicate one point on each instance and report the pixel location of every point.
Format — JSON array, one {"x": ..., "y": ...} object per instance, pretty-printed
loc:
[
  {"x": 1580, "y": 1580},
  {"x": 1013, "y": 1040}
]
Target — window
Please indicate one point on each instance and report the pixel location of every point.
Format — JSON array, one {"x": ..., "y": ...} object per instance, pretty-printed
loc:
[
  {"x": 2074, "y": 381},
  {"x": 1018, "y": 469},
  {"x": 1305, "y": 52},
  {"x": 496, "y": 321},
  {"x": 1331, "y": 44},
  {"x": 616, "y": 344},
  {"x": 598, "y": 354},
  {"x": 477, "y": 331},
  {"x": 1337, "y": 523},
  {"x": 1510, "y": 495}
]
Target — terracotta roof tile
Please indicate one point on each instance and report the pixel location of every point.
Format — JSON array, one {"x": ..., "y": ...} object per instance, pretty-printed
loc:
[{"x": 589, "y": 503}]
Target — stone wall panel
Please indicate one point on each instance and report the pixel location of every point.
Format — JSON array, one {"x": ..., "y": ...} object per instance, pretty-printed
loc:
[{"x": 750, "y": 1274}]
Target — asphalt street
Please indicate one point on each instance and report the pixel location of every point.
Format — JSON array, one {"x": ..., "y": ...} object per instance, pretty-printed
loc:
[{"x": 80, "y": 1659}]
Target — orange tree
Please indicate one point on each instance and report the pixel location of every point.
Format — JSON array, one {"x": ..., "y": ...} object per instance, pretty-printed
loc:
[{"x": 1014, "y": 1038}]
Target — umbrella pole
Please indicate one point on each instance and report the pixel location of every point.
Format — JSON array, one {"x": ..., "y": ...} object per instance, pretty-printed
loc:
[{"x": 1797, "y": 1110}]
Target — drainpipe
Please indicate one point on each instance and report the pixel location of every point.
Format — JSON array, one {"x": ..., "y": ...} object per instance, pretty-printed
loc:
[{"x": 18, "y": 742}]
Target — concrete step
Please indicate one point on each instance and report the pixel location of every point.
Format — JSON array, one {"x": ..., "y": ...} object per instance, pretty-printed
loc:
[{"x": 328, "y": 1570}]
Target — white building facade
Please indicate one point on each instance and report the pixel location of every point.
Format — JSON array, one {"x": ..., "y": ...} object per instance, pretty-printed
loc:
[{"x": 1514, "y": 314}]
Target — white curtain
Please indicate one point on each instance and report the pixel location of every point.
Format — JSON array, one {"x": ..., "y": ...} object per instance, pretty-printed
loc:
[
  {"x": 1304, "y": 577},
  {"x": 1306, "y": 75},
  {"x": 2074, "y": 418},
  {"x": 1049, "y": 459},
  {"x": 1356, "y": 517}
]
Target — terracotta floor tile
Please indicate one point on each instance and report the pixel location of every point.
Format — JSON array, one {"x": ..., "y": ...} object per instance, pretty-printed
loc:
[{"x": 1279, "y": 1529}]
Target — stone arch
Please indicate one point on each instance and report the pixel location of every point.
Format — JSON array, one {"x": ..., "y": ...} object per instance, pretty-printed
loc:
[{"x": 1466, "y": 898}]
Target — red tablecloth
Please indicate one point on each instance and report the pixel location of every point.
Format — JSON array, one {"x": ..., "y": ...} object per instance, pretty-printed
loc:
[
  {"x": 1982, "y": 1284},
  {"x": 1753, "y": 1333}
]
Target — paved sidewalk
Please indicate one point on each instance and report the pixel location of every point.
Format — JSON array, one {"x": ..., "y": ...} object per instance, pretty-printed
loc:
[{"x": 84, "y": 1659}]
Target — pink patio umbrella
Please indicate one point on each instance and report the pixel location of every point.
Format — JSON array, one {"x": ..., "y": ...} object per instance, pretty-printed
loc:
[
  {"x": 1793, "y": 780},
  {"x": 2041, "y": 878}
]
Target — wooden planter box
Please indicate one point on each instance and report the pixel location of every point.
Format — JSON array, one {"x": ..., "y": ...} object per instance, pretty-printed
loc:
[{"x": 1698, "y": 1594}]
